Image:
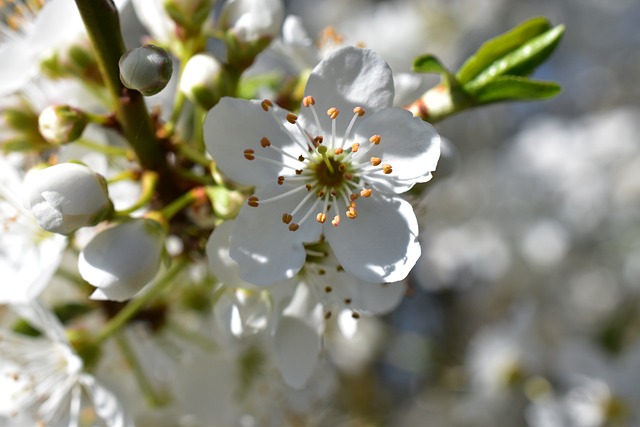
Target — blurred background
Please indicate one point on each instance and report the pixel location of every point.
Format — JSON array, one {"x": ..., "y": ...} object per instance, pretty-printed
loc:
[{"x": 523, "y": 310}]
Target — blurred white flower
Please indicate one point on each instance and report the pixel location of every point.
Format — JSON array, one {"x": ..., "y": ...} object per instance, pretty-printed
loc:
[
  {"x": 29, "y": 256},
  {"x": 294, "y": 312},
  {"x": 251, "y": 20},
  {"x": 40, "y": 32},
  {"x": 122, "y": 259},
  {"x": 42, "y": 378},
  {"x": 345, "y": 174}
]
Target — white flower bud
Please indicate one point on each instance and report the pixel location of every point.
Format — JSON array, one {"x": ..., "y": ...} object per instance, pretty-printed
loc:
[
  {"x": 66, "y": 197},
  {"x": 199, "y": 80},
  {"x": 122, "y": 259},
  {"x": 59, "y": 124},
  {"x": 146, "y": 69},
  {"x": 251, "y": 20}
]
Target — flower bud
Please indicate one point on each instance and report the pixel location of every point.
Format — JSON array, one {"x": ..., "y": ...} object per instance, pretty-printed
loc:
[
  {"x": 59, "y": 124},
  {"x": 251, "y": 20},
  {"x": 66, "y": 197},
  {"x": 250, "y": 25},
  {"x": 189, "y": 14},
  {"x": 122, "y": 259},
  {"x": 199, "y": 80},
  {"x": 146, "y": 69}
]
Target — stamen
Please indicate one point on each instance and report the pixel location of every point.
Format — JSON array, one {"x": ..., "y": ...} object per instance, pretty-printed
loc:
[
  {"x": 286, "y": 218},
  {"x": 249, "y": 154},
  {"x": 328, "y": 289},
  {"x": 321, "y": 217},
  {"x": 355, "y": 147},
  {"x": 375, "y": 161},
  {"x": 292, "y": 118},
  {"x": 386, "y": 168},
  {"x": 283, "y": 195},
  {"x": 366, "y": 193},
  {"x": 253, "y": 201},
  {"x": 351, "y": 212},
  {"x": 355, "y": 315},
  {"x": 335, "y": 221},
  {"x": 338, "y": 151},
  {"x": 333, "y": 113},
  {"x": 293, "y": 227},
  {"x": 266, "y": 104},
  {"x": 280, "y": 180},
  {"x": 357, "y": 112},
  {"x": 327, "y": 315},
  {"x": 308, "y": 101},
  {"x": 375, "y": 139},
  {"x": 264, "y": 142}
]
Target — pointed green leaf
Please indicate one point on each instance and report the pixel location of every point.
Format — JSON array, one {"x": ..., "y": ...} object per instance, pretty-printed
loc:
[
  {"x": 521, "y": 61},
  {"x": 429, "y": 64},
  {"x": 515, "y": 88},
  {"x": 496, "y": 48}
]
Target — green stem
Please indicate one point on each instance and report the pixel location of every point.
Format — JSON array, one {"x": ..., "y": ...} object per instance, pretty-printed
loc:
[
  {"x": 103, "y": 27},
  {"x": 104, "y": 149},
  {"x": 147, "y": 389},
  {"x": 181, "y": 202},
  {"x": 135, "y": 305},
  {"x": 193, "y": 154},
  {"x": 149, "y": 183}
]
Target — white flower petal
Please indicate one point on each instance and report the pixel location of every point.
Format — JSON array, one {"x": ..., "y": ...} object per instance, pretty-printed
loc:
[
  {"x": 381, "y": 244},
  {"x": 123, "y": 258},
  {"x": 262, "y": 245},
  {"x": 235, "y": 125},
  {"x": 345, "y": 79},
  {"x": 297, "y": 338},
  {"x": 410, "y": 145},
  {"x": 105, "y": 403},
  {"x": 220, "y": 263}
]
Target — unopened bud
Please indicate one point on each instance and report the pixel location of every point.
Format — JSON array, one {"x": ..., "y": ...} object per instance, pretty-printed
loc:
[
  {"x": 251, "y": 20},
  {"x": 199, "y": 80},
  {"x": 66, "y": 197},
  {"x": 59, "y": 124},
  {"x": 122, "y": 259},
  {"x": 189, "y": 14},
  {"x": 146, "y": 69}
]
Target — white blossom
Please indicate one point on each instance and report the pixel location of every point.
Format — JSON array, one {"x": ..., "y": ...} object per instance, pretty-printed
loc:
[{"x": 330, "y": 176}]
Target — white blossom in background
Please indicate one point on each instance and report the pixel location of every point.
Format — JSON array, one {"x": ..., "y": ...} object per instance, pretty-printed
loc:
[
  {"x": 251, "y": 20},
  {"x": 122, "y": 259},
  {"x": 332, "y": 176},
  {"x": 293, "y": 313},
  {"x": 42, "y": 378},
  {"x": 40, "y": 32},
  {"x": 29, "y": 256},
  {"x": 66, "y": 196}
]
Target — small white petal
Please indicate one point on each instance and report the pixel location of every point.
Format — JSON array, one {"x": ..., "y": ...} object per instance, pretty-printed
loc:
[
  {"x": 262, "y": 245},
  {"x": 348, "y": 78},
  {"x": 235, "y": 125},
  {"x": 381, "y": 244}
]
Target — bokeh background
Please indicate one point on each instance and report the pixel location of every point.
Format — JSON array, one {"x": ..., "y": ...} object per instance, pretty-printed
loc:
[{"x": 523, "y": 310}]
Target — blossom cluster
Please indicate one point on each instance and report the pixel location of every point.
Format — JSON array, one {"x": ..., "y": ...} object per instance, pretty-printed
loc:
[{"x": 177, "y": 210}]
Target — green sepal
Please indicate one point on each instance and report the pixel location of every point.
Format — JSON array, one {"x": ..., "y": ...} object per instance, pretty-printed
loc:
[
  {"x": 429, "y": 63},
  {"x": 497, "y": 47},
  {"x": 225, "y": 203},
  {"x": 507, "y": 88},
  {"x": 521, "y": 61}
]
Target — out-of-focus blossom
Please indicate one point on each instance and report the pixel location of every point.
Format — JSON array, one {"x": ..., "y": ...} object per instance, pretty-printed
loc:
[
  {"x": 344, "y": 174},
  {"x": 29, "y": 256},
  {"x": 123, "y": 258},
  {"x": 43, "y": 379},
  {"x": 251, "y": 20}
]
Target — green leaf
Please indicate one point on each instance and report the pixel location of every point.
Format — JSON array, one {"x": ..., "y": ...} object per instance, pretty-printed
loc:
[
  {"x": 515, "y": 88},
  {"x": 521, "y": 61},
  {"x": 429, "y": 64},
  {"x": 499, "y": 46}
]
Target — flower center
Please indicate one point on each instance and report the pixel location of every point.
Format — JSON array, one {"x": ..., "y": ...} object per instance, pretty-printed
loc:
[{"x": 332, "y": 172}]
